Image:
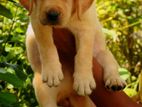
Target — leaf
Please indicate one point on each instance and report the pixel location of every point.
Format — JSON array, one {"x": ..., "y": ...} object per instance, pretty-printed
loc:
[
  {"x": 5, "y": 12},
  {"x": 19, "y": 72},
  {"x": 7, "y": 98},
  {"x": 11, "y": 78},
  {"x": 110, "y": 33},
  {"x": 15, "y": 3},
  {"x": 124, "y": 73},
  {"x": 130, "y": 92},
  {"x": 2, "y": 70},
  {"x": 12, "y": 1}
]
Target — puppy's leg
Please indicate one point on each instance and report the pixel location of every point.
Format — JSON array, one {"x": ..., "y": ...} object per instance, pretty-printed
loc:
[
  {"x": 105, "y": 58},
  {"x": 46, "y": 96},
  {"x": 79, "y": 101},
  {"x": 84, "y": 82},
  {"x": 51, "y": 67},
  {"x": 32, "y": 50}
]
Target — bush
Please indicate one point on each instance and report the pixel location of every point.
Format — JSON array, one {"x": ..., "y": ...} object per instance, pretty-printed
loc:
[
  {"x": 15, "y": 72},
  {"x": 121, "y": 20}
]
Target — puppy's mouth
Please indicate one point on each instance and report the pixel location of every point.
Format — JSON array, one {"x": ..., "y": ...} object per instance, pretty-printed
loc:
[{"x": 50, "y": 23}]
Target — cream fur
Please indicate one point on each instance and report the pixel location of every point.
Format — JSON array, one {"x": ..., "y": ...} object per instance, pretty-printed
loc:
[{"x": 44, "y": 59}]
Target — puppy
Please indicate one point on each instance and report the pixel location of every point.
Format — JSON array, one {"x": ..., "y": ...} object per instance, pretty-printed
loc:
[
  {"x": 46, "y": 96},
  {"x": 80, "y": 18}
]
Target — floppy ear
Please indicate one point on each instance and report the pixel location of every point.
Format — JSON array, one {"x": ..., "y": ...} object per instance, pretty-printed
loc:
[
  {"x": 28, "y": 4},
  {"x": 82, "y": 6},
  {"x": 25, "y": 3}
]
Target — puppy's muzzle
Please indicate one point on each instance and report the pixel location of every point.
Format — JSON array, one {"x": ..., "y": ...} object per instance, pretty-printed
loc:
[{"x": 52, "y": 17}]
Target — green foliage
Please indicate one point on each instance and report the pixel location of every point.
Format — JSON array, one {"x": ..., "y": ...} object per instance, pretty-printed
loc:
[
  {"x": 11, "y": 78},
  {"x": 15, "y": 73},
  {"x": 121, "y": 20},
  {"x": 5, "y": 12},
  {"x": 7, "y": 99},
  {"x": 122, "y": 25}
]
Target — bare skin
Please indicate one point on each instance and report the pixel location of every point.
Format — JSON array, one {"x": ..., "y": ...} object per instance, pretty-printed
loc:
[{"x": 100, "y": 96}]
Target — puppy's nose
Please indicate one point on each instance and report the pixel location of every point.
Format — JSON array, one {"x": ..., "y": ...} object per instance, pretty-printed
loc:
[{"x": 53, "y": 16}]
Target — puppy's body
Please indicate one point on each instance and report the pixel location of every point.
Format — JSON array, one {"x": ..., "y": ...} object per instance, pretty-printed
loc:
[
  {"x": 46, "y": 96},
  {"x": 82, "y": 25},
  {"x": 44, "y": 59}
]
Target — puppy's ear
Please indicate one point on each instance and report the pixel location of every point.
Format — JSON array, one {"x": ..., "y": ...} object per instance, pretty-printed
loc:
[
  {"x": 28, "y": 4},
  {"x": 82, "y": 6},
  {"x": 25, "y": 3}
]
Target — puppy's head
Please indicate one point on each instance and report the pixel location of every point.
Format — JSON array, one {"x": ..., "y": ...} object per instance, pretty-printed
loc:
[{"x": 56, "y": 12}]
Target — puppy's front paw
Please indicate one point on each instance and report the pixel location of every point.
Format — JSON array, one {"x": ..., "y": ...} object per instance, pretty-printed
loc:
[
  {"x": 52, "y": 76},
  {"x": 84, "y": 83},
  {"x": 114, "y": 83}
]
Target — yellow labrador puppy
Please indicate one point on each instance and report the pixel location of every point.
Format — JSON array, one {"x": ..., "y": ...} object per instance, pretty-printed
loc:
[
  {"x": 82, "y": 22},
  {"x": 78, "y": 16}
]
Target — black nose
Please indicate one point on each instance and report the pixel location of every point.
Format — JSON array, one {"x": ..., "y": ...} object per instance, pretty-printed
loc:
[{"x": 53, "y": 16}]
